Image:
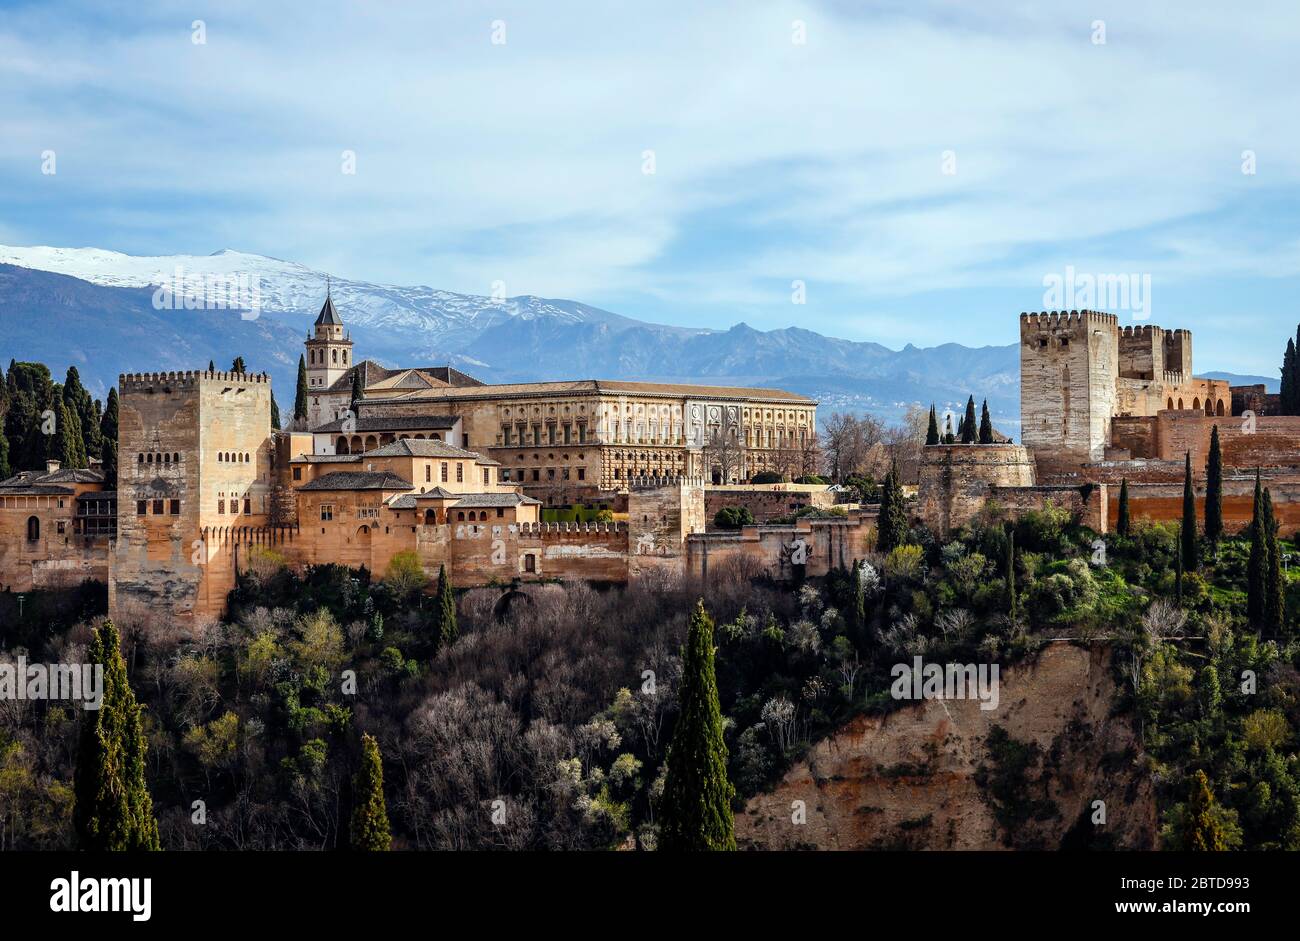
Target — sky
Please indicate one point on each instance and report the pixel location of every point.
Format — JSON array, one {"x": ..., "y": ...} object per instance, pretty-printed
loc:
[{"x": 903, "y": 172}]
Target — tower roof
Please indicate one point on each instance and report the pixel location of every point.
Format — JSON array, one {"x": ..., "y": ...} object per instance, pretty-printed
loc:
[{"x": 328, "y": 315}]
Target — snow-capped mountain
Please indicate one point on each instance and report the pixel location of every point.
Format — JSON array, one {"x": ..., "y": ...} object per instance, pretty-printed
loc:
[{"x": 93, "y": 308}]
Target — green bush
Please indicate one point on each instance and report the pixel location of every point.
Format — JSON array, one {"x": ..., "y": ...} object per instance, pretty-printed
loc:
[{"x": 733, "y": 517}]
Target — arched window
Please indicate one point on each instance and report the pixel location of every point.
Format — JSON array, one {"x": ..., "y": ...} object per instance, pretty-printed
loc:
[
  {"x": 167, "y": 458},
  {"x": 430, "y": 516},
  {"x": 1196, "y": 404},
  {"x": 1180, "y": 405},
  {"x": 460, "y": 515},
  {"x": 139, "y": 458},
  {"x": 341, "y": 446},
  {"x": 345, "y": 357},
  {"x": 149, "y": 458},
  {"x": 33, "y": 529},
  {"x": 1218, "y": 409},
  {"x": 335, "y": 356},
  {"x": 176, "y": 458},
  {"x": 1170, "y": 404}
]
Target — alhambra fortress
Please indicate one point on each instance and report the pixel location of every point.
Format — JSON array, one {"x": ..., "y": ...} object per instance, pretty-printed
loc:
[{"x": 435, "y": 462}]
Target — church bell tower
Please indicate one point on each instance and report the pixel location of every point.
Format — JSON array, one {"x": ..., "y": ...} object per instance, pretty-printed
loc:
[{"x": 329, "y": 350}]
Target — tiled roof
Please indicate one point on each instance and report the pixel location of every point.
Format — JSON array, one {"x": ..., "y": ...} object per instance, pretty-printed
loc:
[
  {"x": 404, "y": 502},
  {"x": 437, "y": 493},
  {"x": 328, "y": 315},
  {"x": 421, "y": 447},
  {"x": 49, "y": 483},
  {"x": 358, "y": 480},
  {"x": 391, "y": 423},
  {"x": 608, "y": 387},
  {"x": 494, "y": 499}
]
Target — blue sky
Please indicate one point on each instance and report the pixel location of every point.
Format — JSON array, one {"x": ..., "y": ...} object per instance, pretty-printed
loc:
[{"x": 775, "y": 160}]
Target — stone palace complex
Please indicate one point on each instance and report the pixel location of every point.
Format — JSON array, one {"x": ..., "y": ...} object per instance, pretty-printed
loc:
[{"x": 434, "y": 462}]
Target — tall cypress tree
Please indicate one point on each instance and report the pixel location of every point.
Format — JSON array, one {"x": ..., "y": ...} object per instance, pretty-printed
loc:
[
  {"x": 64, "y": 443},
  {"x": 300, "y": 394},
  {"x": 948, "y": 436},
  {"x": 1287, "y": 396},
  {"x": 108, "y": 439},
  {"x": 275, "y": 412},
  {"x": 80, "y": 402},
  {"x": 1012, "y": 607},
  {"x": 1205, "y": 835},
  {"x": 447, "y": 629},
  {"x": 1274, "y": 601},
  {"x": 891, "y": 525},
  {"x": 358, "y": 391},
  {"x": 5, "y": 470},
  {"x": 932, "y": 431},
  {"x": 969, "y": 430},
  {"x": 113, "y": 809},
  {"x": 238, "y": 365},
  {"x": 1257, "y": 566},
  {"x": 1122, "y": 525},
  {"x": 1188, "y": 541},
  {"x": 697, "y": 796},
  {"x": 369, "y": 829},
  {"x": 1214, "y": 492},
  {"x": 986, "y": 424}
]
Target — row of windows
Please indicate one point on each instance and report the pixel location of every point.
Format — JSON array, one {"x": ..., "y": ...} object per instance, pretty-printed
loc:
[
  {"x": 173, "y": 507},
  {"x": 155, "y": 458},
  {"x": 234, "y": 506},
  {"x": 523, "y": 474},
  {"x": 233, "y": 457},
  {"x": 334, "y": 355}
]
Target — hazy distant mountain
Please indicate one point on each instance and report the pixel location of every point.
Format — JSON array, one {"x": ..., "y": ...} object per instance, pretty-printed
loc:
[
  {"x": 94, "y": 308},
  {"x": 1236, "y": 379}
]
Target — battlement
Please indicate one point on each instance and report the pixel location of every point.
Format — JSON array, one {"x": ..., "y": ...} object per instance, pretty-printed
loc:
[
  {"x": 1174, "y": 378},
  {"x": 1142, "y": 331},
  {"x": 656, "y": 483},
  {"x": 191, "y": 379},
  {"x": 1057, "y": 319},
  {"x": 542, "y": 530}
]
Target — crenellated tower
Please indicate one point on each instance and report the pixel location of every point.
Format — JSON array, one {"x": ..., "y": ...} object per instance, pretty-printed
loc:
[{"x": 1069, "y": 367}]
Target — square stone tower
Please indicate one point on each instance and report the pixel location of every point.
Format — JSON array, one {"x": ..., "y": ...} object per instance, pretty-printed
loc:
[
  {"x": 1069, "y": 364},
  {"x": 194, "y": 457}
]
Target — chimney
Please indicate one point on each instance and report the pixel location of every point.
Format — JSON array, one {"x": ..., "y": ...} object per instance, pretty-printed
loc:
[{"x": 52, "y": 465}]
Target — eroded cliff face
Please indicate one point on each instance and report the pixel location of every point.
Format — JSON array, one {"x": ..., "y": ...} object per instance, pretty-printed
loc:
[{"x": 940, "y": 774}]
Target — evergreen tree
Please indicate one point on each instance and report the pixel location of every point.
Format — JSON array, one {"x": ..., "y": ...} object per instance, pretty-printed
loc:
[
  {"x": 859, "y": 599},
  {"x": 369, "y": 812},
  {"x": 211, "y": 366},
  {"x": 1214, "y": 492},
  {"x": 969, "y": 430},
  {"x": 238, "y": 365},
  {"x": 1012, "y": 606},
  {"x": 948, "y": 436},
  {"x": 447, "y": 629},
  {"x": 82, "y": 406},
  {"x": 112, "y": 808},
  {"x": 1178, "y": 578},
  {"x": 108, "y": 439},
  {"x": 1122, "y": 525},
  {"x": 986, "y": 424},
  {"x": 1257, "y": 566},
  {"x": 1205, "y": 833},
  {"x": 357, "y": 391},
  {"x": 5, "y": 470},
  {"x": 66, "y": 438},
  {"x": 932, "y": 432},
  {"x": 275, "y": 412},
  {"x": 1274, "y": 600},
  {"x": 1287, "y": 396},
  {"x": 891, "y": 525},
  {"x": 696, "y": 804},
  {"x": 1187, "y": 545},
  {"x": 300, "y": 394}
]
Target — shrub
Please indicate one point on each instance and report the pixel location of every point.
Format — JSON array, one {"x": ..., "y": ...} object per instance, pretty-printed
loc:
[
  {"x": 405, "y": 574},
  {"x": 767, "y": 477},
  {"x": 733, "y": 517}
]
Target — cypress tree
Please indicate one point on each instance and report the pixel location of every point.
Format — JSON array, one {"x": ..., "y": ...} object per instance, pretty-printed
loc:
[
  {"x": 112, "y": 808},
  {"x": 63, "y": 445},
  {"x": 448, "y": 630},
  {"x": 369, "y": 812},
  {"x": 1257, "y": 566},
  {"x": 1287, "y": 396},
  {"x": 932, "y": 432},
  {"x": 697, "y": 796},
  {"x": 211, "y": 366},
  {"x": 1122, "y": 525},
  {"x": 1205, "y": 834},
  {"x": 1188, "y": 542},
  {"x": 969, "y": 429},
  {"x": 108, "y": 439},
  {"x": 357, "y": 390},
  {"x": 81, "y": 404},
  {"x": 859, "y": 599},
  {"x": 1274, "y": 601},
  {"x": 1178, "y": 579},
  {"x": 238, "y": 365},
  {"x": 1012, "y": 607},
  {"x": 948, "y": 436},
  {"x": 275, "y": 412},
  {"x": 300, "y": 394},
  {"x": 891, "y": 526},
  {"x": 1214, "y": 492},
  {"x": 986, "y": 424},
  {"x": 5, "y": 470}
]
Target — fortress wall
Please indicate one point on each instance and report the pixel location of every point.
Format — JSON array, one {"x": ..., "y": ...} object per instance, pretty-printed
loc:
[
  {"x": 1272, "y": 441},
  {"x": 480, "y": 553},
  {"x": 774, "y": 551},
  {"x": 766, "y": 502},
  {"x": 955, "y": 480},
  {"x": 660, "y": 517},
  {"x": 54, "y": 559},
  {"x": 1163, "y": 502},
  {"x": 1088, "y": 504}
]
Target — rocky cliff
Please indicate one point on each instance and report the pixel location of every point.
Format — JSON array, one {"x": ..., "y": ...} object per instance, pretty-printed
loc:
[{"x": 946, "y": 775}]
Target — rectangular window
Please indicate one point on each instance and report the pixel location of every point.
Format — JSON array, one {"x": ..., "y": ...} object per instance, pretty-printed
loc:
[
  {"x": 247, "y": 504},
  {"x": 221, "y": 506},
  {"x": 175, "y": 508},
  {"x": 326, "y": 511},
  {"x": 139, "y": 507},
  {"x": 60, "y": 527},
  {"x": 536, "y": 474},
  {"x": 460, "y": 472},
  {"x": 428, "y": 473},
  {"x": 157, "y": 507},
  {"x": 444, "y": 472},
  {"x": 297, "y": 473},
  {"x": 582, "y": 473},
  {"x": 500, "y": 512},
  {"x": 486, "y": 476}
]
